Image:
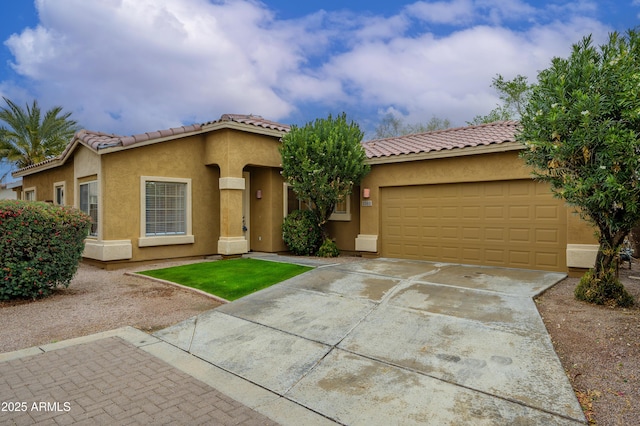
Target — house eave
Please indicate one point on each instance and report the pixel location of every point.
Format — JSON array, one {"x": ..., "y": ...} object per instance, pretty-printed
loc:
[
  {"x": 220, "y": 125},
  {"x": 448, "y": 153}
]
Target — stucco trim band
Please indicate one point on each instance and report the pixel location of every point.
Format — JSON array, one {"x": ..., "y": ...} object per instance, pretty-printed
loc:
[
  {"x": 231, "y": 183},
  {"x": 366, "y": 242},
  {"x": 581, "y": 255},
  {"x": 232, "y": 245},
  {"x": 107, "y": 250}
]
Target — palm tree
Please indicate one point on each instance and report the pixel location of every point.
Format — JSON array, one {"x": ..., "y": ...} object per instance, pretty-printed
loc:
[{"x": 29, "y": 138}]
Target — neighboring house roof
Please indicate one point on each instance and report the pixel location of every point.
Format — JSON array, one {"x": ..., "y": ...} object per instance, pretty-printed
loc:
[
  {"x": 443, "y": 141},
  {"x": 105, "y": 142},
  {"x": 11, "y": 185}
]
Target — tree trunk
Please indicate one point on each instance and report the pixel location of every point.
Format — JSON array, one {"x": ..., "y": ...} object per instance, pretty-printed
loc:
[
  {"x": 601, "y": 285},
  {"x": 607, "y": 257}
]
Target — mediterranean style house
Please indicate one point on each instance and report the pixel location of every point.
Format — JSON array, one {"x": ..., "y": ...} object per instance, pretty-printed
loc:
[{"x": 458, "y": 195}]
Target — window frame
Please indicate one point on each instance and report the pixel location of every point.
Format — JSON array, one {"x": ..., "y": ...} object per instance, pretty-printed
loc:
[
  {"x": 63, "y": 187},
  {"x": 29, "y": 194},
  {"x": 168, "y": 239},
  {"x": 335, "y": 216},
  {"x": 342, "y": 216},
  {"x": 89, "y": 183}
]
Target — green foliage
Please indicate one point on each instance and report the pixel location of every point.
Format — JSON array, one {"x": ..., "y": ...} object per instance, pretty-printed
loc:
[
  {"x": 581, "y": 128},
  {"x": 29, "y": 138},
  {"x": 391, "y": 126},
  {"x": 41, "y": 247},
  {"x": 323, "y": 161},
  {"x": 514, "y": 95},
  {"x": 328, "y": 249},
  {"x": 229, "y": 279},
  {"x": 605, "y": 290},
  {"x": 301, "y": 232}
]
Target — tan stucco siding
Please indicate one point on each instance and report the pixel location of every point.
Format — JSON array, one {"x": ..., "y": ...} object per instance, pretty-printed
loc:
[
  {"x": 232, "y": 150},
  {"x": 344, "y": 233},
  {"x": 122, "y": 204},
  {"x": 44, "y": 183},
  {"x": 266, "y": 212}
]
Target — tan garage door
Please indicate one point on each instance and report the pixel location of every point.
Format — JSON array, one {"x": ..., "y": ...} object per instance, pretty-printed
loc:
[{"x": 509, "y": 223}]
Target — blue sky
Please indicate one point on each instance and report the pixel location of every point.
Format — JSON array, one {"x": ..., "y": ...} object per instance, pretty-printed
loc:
[{"x": 130, "y": 66}]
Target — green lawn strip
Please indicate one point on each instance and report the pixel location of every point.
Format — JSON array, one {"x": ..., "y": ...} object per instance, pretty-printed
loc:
[{"x": 229, "y": 279}]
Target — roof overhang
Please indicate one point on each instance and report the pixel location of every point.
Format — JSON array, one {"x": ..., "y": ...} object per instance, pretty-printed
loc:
[
  {"x": 448, "y": 153},
  {"x": 209, "y": 127},
  {"x": 243, "y": 127}
]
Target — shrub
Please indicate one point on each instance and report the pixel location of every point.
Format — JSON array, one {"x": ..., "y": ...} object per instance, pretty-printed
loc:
[
  {"x": 301, "y": 232},
  {"x": 605, "y": 291},
  {"x": 328, "y": 249},
  {"x": 41, "y": 247}
]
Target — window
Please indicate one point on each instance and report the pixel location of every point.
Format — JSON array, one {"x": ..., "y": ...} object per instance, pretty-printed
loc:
[
  {"x": 58, "y": 193},
  {"x": 342, "y": 210},
  {"x": 89, "y": 204},
  {"x": 29, "y": 194},
  {"x": 292, "y": 202},
  {"x": 165, "y": 211},
  {"x": 166, "y": 205}
]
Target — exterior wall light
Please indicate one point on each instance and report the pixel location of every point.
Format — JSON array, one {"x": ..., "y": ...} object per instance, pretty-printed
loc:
[{"x": 366, "y": 193}]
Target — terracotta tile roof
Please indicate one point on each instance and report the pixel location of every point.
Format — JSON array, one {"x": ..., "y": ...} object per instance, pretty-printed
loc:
[
  {"x": 448, "y": 139},
  {"x": 100, "y": 140},
  {"x": 254, "y": 120}
]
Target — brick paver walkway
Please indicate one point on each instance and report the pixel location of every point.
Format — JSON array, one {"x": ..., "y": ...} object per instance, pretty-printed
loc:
[{"x": 111, "y": 381}]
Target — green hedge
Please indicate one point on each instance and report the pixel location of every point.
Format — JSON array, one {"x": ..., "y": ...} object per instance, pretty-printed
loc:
[
  {"x": 41, "y": 247},
  {"x": 301, "y": 232}
]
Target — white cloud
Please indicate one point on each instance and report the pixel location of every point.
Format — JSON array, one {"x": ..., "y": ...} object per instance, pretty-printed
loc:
[
  {"x": 156, "y": 62},
  {"x": 138, "y": 65}
]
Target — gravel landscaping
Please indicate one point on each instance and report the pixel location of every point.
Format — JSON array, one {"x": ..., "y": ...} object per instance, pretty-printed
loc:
[{"x": 598, "y": 346}]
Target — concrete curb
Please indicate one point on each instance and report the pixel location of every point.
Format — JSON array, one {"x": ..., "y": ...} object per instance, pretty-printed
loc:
[{"x": 184, "y": 287}]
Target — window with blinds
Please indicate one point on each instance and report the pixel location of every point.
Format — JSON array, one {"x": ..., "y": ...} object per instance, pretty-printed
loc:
[{"x": 165, "y": 208}]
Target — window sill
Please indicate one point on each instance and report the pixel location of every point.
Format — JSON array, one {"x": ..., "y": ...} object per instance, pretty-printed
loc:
[
  {"x": 167, "y": 240},
  {"x": 340, "y": 217}
]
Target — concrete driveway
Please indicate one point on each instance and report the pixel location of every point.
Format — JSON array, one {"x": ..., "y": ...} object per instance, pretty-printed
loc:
[{"x": 391, "y": 342}]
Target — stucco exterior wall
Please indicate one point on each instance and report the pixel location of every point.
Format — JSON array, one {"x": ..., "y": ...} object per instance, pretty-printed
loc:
[
  {"x": 266, "y": 212},
  {"x": 44, "y": 183},
  {"x": 344, "y": 233},
  {"x": 122, "y": 173}
]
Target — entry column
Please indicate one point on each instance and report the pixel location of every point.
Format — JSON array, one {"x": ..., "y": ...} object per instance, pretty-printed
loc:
[{"x": 232, "y": 240}]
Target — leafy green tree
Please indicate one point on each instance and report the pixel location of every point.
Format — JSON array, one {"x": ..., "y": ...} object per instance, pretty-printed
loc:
[
  {"x": 323, "y": 161},
  {"x": 514, "y": 95},
  {"x": 27, "y": 137},
  {"x": 391, "y": 126},
  {"x": 582, "y": 128}
]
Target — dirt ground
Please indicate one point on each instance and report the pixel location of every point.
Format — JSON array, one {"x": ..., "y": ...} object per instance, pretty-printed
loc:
[
  {"x": 599, "y": 347},
  {"x": 97, "y": 300}
]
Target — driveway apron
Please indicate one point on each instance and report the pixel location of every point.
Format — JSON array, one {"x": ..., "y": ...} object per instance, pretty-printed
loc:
[{"x": 386, "y": 341}]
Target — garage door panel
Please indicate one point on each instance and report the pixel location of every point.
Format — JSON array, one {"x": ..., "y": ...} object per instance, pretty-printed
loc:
[
  {"x": 547, "y": 212},
  {"x": 510, "y": 223},
  {"x": 551, "y": 236},
  {"x": 520, "y": 235},
  {"x": 550, "y": 260},
  {"x": 519, "y": 212},
  {"x": 471, "y": 234}
]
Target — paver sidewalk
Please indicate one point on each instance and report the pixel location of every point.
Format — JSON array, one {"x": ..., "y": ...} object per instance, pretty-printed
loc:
[{"x": 111, "y": 381}]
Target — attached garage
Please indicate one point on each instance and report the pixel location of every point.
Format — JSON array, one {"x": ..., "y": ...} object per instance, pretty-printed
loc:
[
  {"x": 515, "y": 223},
  {"x": 464, "y": 195}
]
